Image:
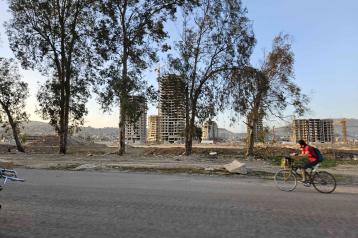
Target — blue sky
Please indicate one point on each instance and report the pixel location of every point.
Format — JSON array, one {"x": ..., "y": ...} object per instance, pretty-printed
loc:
[{"x": 325, "y": 42}]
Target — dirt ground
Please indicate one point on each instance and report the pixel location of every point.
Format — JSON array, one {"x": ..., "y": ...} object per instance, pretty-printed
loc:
[{"x": 96, "y": 156}]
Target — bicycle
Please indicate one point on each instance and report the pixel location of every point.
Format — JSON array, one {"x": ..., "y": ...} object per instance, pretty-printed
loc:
[
  {"x": 8, "y": 175},
  {"x": 286, "y": 179}
]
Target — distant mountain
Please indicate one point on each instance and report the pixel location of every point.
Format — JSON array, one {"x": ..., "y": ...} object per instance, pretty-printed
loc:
[
  {"x": 36, "y": 128},
  {"x": 43, "y": 128},
  {"x": 226, "y": 134}
]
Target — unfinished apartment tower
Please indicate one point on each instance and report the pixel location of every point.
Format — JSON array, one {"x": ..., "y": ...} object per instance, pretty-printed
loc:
[
  {"x": 259, "y": 129},
  {"x": 171, "y": 109},
  {"x": 210, "y": 130},
  {"x": 153, "y": 129},
  {"x": 327, "y": 130},
  {"x": 136, "y": 124},
  {"x": 313, "y": 130}
]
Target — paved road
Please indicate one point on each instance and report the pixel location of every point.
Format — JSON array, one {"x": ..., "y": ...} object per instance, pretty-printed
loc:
[{"x": 94, "y": 204}]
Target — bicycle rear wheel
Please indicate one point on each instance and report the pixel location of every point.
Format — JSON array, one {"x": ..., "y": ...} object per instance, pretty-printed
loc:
[
  {"x": 286, "y": 180},
  {"x": 324, "y": 182}
]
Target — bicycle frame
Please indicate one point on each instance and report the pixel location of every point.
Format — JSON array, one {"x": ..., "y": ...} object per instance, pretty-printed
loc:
[
  {"x": 310, "y": 174},
  {"x": 9, "y": 174}
]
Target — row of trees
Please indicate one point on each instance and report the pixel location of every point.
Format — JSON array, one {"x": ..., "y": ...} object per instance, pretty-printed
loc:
[
  {"x": 108, "y": 44},
  {"x": 13, "y": 93}
]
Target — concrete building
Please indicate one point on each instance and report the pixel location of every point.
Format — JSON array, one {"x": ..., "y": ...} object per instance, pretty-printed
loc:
[
  {"x": 171, "y": 109},
  {"x": 136, "y": 132},
  {"x": 210, "y": 130},
  {"x": 313, "y": 130},
  {"x": 327, "y": 130},
  {"x": 153, "y": 129},
  {"x": 259, "y": 129}
]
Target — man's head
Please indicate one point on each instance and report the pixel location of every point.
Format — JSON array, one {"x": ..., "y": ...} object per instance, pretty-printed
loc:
[{"x": 302, "y": 143}]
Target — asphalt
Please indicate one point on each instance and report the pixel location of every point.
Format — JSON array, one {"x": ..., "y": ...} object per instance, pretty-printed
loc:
[{"x": 120, "y": 204}]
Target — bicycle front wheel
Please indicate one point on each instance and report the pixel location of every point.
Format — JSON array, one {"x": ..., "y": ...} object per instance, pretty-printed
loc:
[
  {"x": 324, "y": 182},
  {"x": 286, "y": 180}
]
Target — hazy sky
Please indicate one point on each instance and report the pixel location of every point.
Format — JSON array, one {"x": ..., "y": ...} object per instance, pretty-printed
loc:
[{"x": 325, "y": 44}]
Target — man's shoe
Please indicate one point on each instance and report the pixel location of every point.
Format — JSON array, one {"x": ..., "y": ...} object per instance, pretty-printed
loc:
[{"x": 307, "y": 184}]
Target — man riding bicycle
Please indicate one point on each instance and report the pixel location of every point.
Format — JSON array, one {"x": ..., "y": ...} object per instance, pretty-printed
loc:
[{"x": 307, "y": 151}]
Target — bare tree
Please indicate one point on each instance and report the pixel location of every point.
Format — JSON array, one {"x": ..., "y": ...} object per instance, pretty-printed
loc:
[
  {"x": 216, "y": 39},
  {"x": 268, "y": 90},
  {"x": 13, "y": 93}
]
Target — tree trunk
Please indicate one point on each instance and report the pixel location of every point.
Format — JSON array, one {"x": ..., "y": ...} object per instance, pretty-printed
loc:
[
  {"x": 67, "y": 111},
  {"x": 189, "y": 141},
  {"x": 61, "y": 131},
  {"x": 122, "y": 129},
  {"x": 254, "y": 115},
  {"x": 251, "y": 125},
  {"x": 14, "y": 132},
  {"x": 187, "y": 123},
  {"x": 189, "y": 133},
  {"x": 250, "y": 139}
]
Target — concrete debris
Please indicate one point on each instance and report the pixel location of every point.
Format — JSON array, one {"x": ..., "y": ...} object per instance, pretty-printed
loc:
[
  {"x": 236, "y": 167},
  {"x": 250, "y": 157},
  {"x": 85, "y": 167},
  {"x": 42, "y": 166}
]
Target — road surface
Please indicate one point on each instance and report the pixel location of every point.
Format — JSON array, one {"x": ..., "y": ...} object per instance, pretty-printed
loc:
[{"x": 118, "y": 204}]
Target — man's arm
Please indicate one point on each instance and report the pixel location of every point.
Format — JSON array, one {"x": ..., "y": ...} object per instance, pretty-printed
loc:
[{"x": 300, "y": 156}]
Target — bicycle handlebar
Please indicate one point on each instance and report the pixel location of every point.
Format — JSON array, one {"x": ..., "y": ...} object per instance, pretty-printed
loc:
[{"x": 9, "y": 174}]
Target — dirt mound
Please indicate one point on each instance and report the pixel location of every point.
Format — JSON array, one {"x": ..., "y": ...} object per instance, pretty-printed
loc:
[
  {"x": 4, "y": 148},
  {"x": 38, "y": 141},
  {"x": 196, "y": 150},
  {"x": 270, "y": 151},
  {"x": 164, "y": 151}
]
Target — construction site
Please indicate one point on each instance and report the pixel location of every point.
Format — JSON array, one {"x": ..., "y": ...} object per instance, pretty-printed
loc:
[
  {"x": 313, "y": 130},
  {"x": 136, "y": 127},
  {"x": 168, "y": 126}
]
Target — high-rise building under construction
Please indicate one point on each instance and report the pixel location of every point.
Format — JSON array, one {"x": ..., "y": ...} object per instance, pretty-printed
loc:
[
  {"x": 258, "y": 130},
  {"x": 136, "y": 127},
  {"x": 171, "y": 108},
  {"x": 153, "y": 129},
  {"x": 313, "y": 130},
  {"x": 210, "y": 130}
]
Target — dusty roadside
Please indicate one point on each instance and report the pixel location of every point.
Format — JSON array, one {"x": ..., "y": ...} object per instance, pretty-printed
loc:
[{"x": 136, "y": 160}]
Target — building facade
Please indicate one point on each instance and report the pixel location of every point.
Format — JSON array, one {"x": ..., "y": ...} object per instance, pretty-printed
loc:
[
  {"x": 259, "y": 131},
  {"x": 313, "y": 130},
  {"x": 210, "y": 130},
  {"x": 171, "y": 109},
  {"x": 136, "y": 126},
  {"x": 153, "y": 129}
]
